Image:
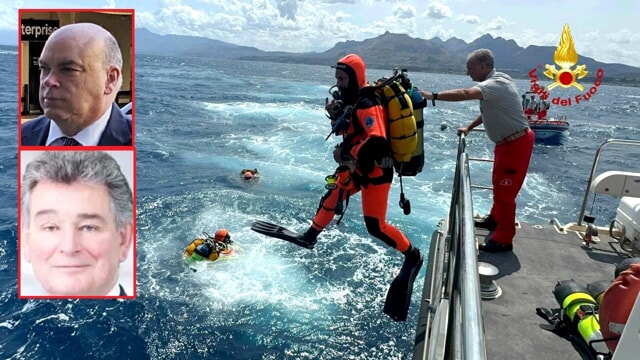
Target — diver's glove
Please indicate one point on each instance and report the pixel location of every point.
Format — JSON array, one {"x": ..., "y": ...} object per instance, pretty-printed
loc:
[
  {"x": 334, "y": 109},
  {"x": 341, "y": 154}
]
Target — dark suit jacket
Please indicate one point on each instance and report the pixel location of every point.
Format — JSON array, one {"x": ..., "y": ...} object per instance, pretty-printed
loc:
[
  {"x": 117, "y": 132},
  {"x": 122, "y": 292}
]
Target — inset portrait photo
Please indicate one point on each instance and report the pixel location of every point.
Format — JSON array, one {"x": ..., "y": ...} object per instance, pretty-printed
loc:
[
  {"x": 76, "y": 72},
  {"x": 76, "y": 224}
]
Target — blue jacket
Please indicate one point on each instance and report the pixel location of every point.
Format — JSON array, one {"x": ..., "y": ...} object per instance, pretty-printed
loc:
[{"x": 117, "y": 132}]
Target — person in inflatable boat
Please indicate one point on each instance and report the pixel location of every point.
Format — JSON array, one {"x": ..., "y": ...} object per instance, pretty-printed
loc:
[{"x": 209, "y": 248}]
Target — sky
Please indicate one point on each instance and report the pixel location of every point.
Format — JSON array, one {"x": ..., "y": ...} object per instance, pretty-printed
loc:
[{"x": 608, "y": 31}]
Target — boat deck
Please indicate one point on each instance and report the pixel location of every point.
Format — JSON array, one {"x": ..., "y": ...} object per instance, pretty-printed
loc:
[{"x": 541, "y": 257}]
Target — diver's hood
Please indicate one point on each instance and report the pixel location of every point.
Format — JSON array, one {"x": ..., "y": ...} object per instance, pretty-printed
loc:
[{"x": 354, "y": 67}]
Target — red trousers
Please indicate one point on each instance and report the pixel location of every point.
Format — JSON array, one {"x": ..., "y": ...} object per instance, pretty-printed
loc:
[
  {"x": 511, "y": 161},
  {"x": 375, "y": 198}
]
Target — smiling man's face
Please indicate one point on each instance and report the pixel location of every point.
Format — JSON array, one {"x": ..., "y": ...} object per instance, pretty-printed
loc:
[{"x": 72, "y": 240}]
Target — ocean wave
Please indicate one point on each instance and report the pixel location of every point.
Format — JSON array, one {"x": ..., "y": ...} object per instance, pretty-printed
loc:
[{"x": 277, "y": 300}]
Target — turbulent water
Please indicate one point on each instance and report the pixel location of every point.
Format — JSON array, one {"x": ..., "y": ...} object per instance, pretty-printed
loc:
[{"x": 198, "y": 123}]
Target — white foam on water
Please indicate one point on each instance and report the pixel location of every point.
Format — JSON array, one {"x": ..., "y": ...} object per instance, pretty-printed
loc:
[
  {"x": 61, "y": 317},
  {"x": 291, "y": 133},
  {"x": 347, "y": 272},
  {"x": 9, "y": 324},
  {"x": 280, "y": 111}
]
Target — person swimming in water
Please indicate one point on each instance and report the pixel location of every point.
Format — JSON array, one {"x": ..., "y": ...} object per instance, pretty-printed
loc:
[{"x": 249, "y": 174}]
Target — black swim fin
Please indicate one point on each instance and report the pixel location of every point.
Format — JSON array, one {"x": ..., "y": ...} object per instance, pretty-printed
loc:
[
  {"x": 399, "y": 295},
  {"x": 279, "y": 232}
]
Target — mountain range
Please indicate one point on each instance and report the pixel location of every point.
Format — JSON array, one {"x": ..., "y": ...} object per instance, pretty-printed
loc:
[
  {"x": 388, "y": 51},
  {"x": 385, "y": 52}
]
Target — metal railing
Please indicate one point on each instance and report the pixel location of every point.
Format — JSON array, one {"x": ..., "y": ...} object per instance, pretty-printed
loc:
[
  {"x": 593, "y": 171},
  {"x": 450, "y": 326},
  {"x": 454, "y": 327},
  {"x": 466, "y": 282}
]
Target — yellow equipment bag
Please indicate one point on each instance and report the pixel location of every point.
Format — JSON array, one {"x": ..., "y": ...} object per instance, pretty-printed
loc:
[
  {"x": 404, "y": 122},
  {"x": 405, "y": 125},
  {"x": 403, "y": 131}
]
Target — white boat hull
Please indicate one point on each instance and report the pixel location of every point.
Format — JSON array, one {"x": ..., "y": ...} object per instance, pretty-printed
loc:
[{"x": 549, "y": 129}]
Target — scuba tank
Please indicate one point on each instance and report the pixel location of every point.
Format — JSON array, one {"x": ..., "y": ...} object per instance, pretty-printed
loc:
[
  {"x": 597, "y": 289},
  {"x": 415, "y": 165},
  {"x": 582, "y": 310},
  {"x": 408, "y": 133},
  {"x": 405, "y": 126},
  {"x": 206, "y": 251},
  {"x": 198, "y": 250},
  {"x": 416, "y": 162}
]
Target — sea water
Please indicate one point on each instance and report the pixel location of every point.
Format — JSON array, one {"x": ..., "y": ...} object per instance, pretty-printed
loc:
[{"x": 198, "y": 123}]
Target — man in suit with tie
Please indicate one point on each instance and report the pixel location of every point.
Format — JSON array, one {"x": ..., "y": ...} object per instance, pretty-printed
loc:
[
  {"x": 80, "y": 76},
  {"x": 76, "y": 223}
]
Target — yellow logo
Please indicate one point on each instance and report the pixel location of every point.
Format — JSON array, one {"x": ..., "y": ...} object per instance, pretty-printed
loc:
[
  {"x": 565, "y": 56},
  {"x": 566, "y": 76}
]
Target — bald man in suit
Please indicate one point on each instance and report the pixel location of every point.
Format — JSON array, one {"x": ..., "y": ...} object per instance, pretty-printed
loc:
[{"x": 80, "y": 75}]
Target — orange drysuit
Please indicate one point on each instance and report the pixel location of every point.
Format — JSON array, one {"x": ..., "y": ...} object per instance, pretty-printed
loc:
[{"x": 365, "y": 141}]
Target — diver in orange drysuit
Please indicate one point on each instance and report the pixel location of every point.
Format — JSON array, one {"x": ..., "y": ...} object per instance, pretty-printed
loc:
[
  {"x": 364, "y": 147},
  {"x": 365, "y": 164}
]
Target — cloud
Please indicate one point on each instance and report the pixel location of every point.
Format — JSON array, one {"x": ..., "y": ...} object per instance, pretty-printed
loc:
[
  {"x": 401, "y": 19},
  {"x": 176, "y": 18},
  {"x": 9, "y": 15},
  {"x": 528, "y": 37},
  {"x": 341, "y": 15},
  {"x": 437, "y": 10},
  {"x": 339, "y": 1},
  {"x": 292, "y": 26},
  {"x": 493, "y": 25},
  {"x": 288, "y": 8},
  {"x": 610, "y": 48},
  {"x": 402, "y": 11},
  {"x": 299, "y": 25},
  {"x": 623, "y": 36},
  {"x": 616, "y": 54},
  {"x": 444, "y": 33},
  {"x": 469, "y": 19},
  {"x": 592, "y": 37}
]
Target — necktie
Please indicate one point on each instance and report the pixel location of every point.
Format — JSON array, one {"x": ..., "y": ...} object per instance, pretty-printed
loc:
[{"x": 66, "y": 141}]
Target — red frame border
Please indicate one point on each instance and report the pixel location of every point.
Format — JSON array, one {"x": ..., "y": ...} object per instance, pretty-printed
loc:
[{"x": 131, "y": 149}]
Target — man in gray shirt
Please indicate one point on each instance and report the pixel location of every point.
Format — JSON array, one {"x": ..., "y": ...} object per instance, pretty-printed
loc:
[{"x": 505, "y": 124}]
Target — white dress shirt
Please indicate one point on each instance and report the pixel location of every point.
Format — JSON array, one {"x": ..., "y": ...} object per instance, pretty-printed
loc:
[{"x": 89, "y": 136}]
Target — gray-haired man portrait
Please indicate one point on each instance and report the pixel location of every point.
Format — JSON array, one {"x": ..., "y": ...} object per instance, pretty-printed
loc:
[{"x": 76, "y": 223}]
